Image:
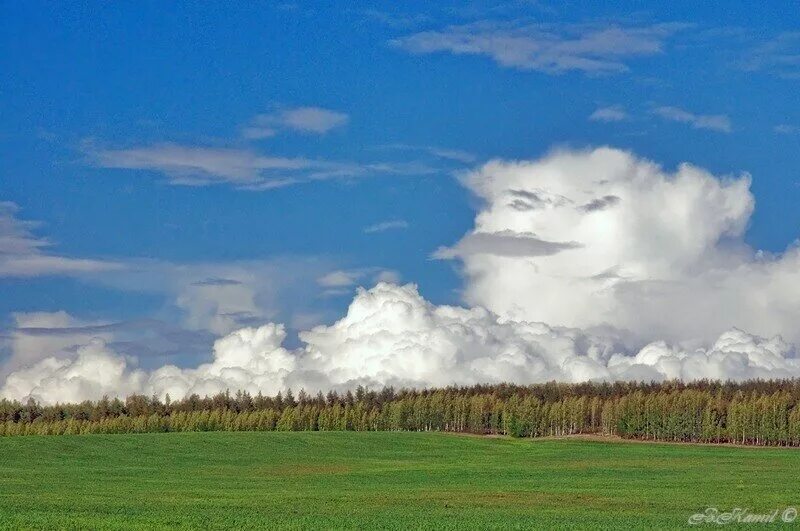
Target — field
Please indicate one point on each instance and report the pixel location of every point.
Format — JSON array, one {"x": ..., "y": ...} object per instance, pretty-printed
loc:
[{"x": 395, "y": 480}]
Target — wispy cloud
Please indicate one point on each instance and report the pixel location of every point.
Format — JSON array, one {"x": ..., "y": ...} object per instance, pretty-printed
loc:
[
  {"x": 613, "y": 113},
  {"x": 553, "y": 49},
  {"x": 713, "y": 122},
  {"x": 455, "y": 155},
  {"x": 386, "y": 225},
  {"x": 779, "y": 56},
  {"x": 22, "y": 253},
  {"x": 246, "y": 169},
  {"x": 315, "y": 120},
  {"x": 786, "y": 129},
  {"x": 396, "y": 19},
  {"x": 198, "y": 165}
]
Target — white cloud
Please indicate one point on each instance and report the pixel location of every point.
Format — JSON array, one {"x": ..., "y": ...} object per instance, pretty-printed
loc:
[
  {"x": 713, "y": 122},
  {"x": 22, "y": 253},
  {"x": 392, "y": 336},
  {"x": 93, "y": 372},
  {"x": 255, "y": 132},
  {"x": 454, "y": 155},
  {"x": 224, "y": 296},
  {"x": 395, "y": 18},
  {"x": 196, "y": 165},
  {"x": 341, "y": 282},
  {"x": 243, "y": 168},
  {"x": 213, "y": 297},
  {"x": 337, "y": 279},
  {"x": 614, "y": 113},
  {"x": 660, "y": 254},
  {"x": 786, "y": 129},
  {"x": 27, "y": 344},
  {"x": 588, "y": 264},
  {"x": 313, "y": 119},
  {"x": 779, "y": 56},
  {"x": 303, "y": 119},
  {"x": 592, "y": 49},
  {"x": 383, "y": 226}
]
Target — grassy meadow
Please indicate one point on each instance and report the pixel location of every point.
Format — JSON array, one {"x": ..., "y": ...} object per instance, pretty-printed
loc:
[{"x": 378, "y": 479}]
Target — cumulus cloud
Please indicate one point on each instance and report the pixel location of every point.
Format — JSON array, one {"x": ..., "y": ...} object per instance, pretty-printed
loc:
[
  {"x": 95, "y": 371},
  {"x": 151, "y": 342},
  {"x": 582, "y": 265},
  {"x": 553, "y": 49},
  {"x": 658, "y": 253},
  {"x": 37, "y": 335},
  {"x": 713, "y": 122},
  {"x": 341, "y": 282},
  {"x": 390, "y": 335}
]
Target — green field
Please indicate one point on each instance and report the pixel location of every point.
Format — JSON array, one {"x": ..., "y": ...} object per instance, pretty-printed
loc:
[{"x": 396, "y": 480}]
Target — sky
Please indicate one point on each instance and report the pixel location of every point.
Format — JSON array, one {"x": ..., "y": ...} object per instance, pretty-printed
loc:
[{"x": 599, "y": 180}]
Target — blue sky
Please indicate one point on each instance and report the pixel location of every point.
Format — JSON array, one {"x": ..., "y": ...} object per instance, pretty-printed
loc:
[{"x": 178, "y": 143}]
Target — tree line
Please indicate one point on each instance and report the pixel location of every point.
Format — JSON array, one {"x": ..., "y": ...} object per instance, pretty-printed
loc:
[{"x": 756, "y": 412}]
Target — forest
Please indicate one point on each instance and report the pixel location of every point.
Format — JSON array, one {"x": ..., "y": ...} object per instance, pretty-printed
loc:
[{"x": 755, "y": 412}]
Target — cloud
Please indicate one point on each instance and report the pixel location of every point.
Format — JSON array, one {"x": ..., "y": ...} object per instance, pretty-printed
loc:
[
  {"x": 196, "y": 165},
  {"x": 786, "y": 129},
  {"x": 713, "y": 122},
  {"x": 601, "y": 203},
  {"x": 454, "y": 155},
  {"x": 503, "y": 243},
  {"x": 673, "y": 241},
  {"x": 22, "y": 253},
  {"x": 303, "y": 119},
  {"x": 245, "y": 169},
  {"x": 614, "y": 113},
  {"x": 217, "y": 282},
  {"x": 220, "y": 297},
  {"x": 213, "y": 297},
  {"x": 553, "y": 49},
  {"x": 779, "y": 56},
  {"x": 582, "y": 265},
  {"x": 95, "y": 371},
  {"x": 390, "y": 335},
  {"x": 149, "y": 342},
  {"x": 255, "y": 132},
  {"x": 383, "y": 226},
  {"x": 341, "y": 282},
  {"x": 37, "y": 335},
  {"x": 337, "y": 279},
  {"x": 451, "y": 154},
  {"x": 395, "y": 19}
]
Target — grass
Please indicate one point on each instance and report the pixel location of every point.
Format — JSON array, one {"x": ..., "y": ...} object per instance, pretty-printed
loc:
[{"x": 387, "y": 480}]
